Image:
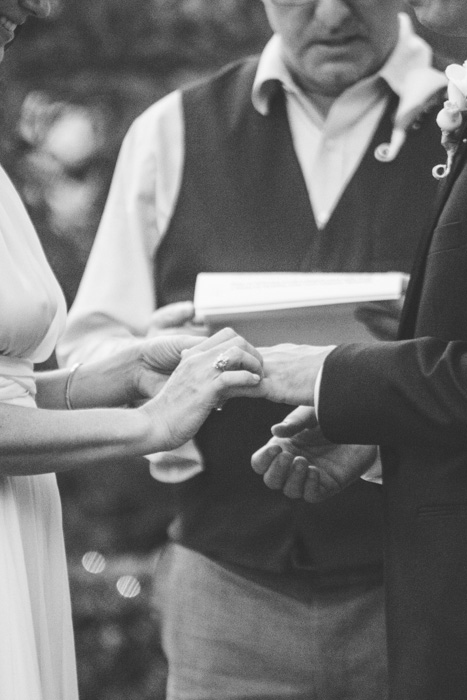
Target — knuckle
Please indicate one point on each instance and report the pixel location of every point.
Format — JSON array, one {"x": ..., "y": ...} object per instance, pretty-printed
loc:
[
  {"x": 229, "y": 332},
  {"x": 235, "y": 354}
]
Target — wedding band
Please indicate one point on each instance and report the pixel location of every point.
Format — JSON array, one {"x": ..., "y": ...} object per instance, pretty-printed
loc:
[{"x": 221, "y": 363}]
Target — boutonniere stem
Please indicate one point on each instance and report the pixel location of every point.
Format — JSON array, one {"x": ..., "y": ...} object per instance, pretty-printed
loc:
[
  {"x": 419, "y": 93},
  {"x": 450, "y": 119}
]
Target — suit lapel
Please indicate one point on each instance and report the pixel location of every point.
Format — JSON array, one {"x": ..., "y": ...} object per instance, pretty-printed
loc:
[{"x": 409, "y": 312}]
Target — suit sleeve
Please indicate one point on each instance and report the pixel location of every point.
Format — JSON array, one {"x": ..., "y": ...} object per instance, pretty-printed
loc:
[{"x": 396, "y": 393}]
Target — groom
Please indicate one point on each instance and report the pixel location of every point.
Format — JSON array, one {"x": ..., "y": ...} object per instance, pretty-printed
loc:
[{"x": 410, "y": 397}]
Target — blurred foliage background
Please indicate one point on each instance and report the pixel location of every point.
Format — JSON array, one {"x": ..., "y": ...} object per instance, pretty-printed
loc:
[{"x": 70, "y": 87}]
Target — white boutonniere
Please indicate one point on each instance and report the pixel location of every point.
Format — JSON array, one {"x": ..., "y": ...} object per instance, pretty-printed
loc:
[{"x": 450, "y": 119}]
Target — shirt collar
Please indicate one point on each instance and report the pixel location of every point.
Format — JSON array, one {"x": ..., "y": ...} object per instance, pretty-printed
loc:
[
  {"x": 410, "y": 54},
  {"x": 271, "y": 71}
]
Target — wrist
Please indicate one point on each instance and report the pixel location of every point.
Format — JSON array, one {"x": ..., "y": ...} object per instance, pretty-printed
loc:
[
  {"x": 68, "y": 384},
  {"x": 309, "y": 373},
  {"x": 131, "y": 433},
  {"x": 155, "y": 434},
  {"x": 126, "y": 373},
  {"x": 103, "y": 383}
]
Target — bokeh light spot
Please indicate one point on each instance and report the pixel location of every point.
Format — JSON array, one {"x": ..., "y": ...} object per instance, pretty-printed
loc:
[
  {"x": 93, "y": 562},
  {"x": 128, "y": 586}
]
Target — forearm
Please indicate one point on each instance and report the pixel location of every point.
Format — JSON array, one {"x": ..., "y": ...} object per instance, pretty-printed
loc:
[
  {"x": 405, "y": 392},
  {"x": 91, "y": 385},
  {"x": 35, "y": 441}
]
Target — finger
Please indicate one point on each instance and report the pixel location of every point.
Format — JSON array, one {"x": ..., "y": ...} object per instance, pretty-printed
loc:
[
  {"x": 295, "y": 484},
  {"x": 277, "y": 474},
  {"x": 311, "y": 491},
  {"x": 181, "y": 342},
  {"x": 262, "y": 458},
  {"x": 199, "y": 329},
  {"x": 226, "y": 338},
  {"x": 164, "y": 353},
  {"x": 381, "y": 323},
  {"x": 319, "y": 485},
  {"x": 296, "y": 421},
  {"x": 387, "y": 307},
  {"x": 238, "y": 358},
  {"x": 231, "y": 384},
  {"x": 223, "y": 341},
  {"x": 232, "y": 346},
  {"x": 172, "y": 315},
  {"x": 383, "y": 329},
  {"x": 218, "y": 338},
  {"x": 214, "y": 342}
]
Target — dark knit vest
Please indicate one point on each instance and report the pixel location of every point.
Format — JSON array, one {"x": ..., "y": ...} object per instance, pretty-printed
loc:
[{"x": 243, "y": 206}]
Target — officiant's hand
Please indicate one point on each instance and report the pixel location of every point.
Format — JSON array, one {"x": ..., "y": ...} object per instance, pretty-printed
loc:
[
  {"x": 175, "y": 318},
  {"x": 382, "y": 318},
  {"x": 301, "y": 463}
]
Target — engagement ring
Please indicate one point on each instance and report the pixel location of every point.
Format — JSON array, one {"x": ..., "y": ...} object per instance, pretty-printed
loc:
[{"x": 221, "y": 363}]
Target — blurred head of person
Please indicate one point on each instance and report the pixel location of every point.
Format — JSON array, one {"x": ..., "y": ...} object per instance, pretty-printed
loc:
[
  {"x": 14, "y": 13},
  {"x": 447, "y": 17}
]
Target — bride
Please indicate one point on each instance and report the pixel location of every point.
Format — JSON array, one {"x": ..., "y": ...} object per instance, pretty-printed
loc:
[{"x": 40, "y": 435}]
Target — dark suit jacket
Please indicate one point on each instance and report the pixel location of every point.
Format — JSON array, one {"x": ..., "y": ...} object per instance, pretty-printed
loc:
[{"x": 410, "y": 397}]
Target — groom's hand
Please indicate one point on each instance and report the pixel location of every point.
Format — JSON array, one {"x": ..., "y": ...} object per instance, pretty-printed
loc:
[
  {"x": 290, "y": 372},
  {"x": 301, "y": 463}
]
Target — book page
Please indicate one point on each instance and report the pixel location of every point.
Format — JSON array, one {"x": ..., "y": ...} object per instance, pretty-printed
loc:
[
  {"x": 224, "y": 294},
  {"x": 312, "y": 308}
]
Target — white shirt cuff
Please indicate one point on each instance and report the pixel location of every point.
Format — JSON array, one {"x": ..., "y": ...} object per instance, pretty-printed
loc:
[
  {"x": 375, "y": 472},
  {"x": 177, "y": 465},
  {"x": 317, "y": 390}
]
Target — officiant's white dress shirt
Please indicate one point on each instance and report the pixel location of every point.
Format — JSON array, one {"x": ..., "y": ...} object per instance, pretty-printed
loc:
[{"x": 117, "y": 297}]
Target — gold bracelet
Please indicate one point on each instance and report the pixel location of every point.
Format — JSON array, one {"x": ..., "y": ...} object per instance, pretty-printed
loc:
[{"x": 68, "y": 385}]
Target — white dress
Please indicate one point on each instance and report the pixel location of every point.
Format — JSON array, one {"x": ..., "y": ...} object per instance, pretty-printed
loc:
[{"x": 37, "y": 660}]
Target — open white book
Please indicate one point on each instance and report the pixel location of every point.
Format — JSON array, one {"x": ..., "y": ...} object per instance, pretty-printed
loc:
[{"x": 277, "y": 307}]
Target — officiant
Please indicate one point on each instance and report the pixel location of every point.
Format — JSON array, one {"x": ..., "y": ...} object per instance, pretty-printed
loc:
[{"x": 312, "y": 156}]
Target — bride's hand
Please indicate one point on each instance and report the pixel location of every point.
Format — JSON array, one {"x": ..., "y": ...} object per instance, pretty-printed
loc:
[
  {"x": 155, "y": 360},
  {"x": 210, "y": 372},
  {"x": 131, "y": 375}
]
